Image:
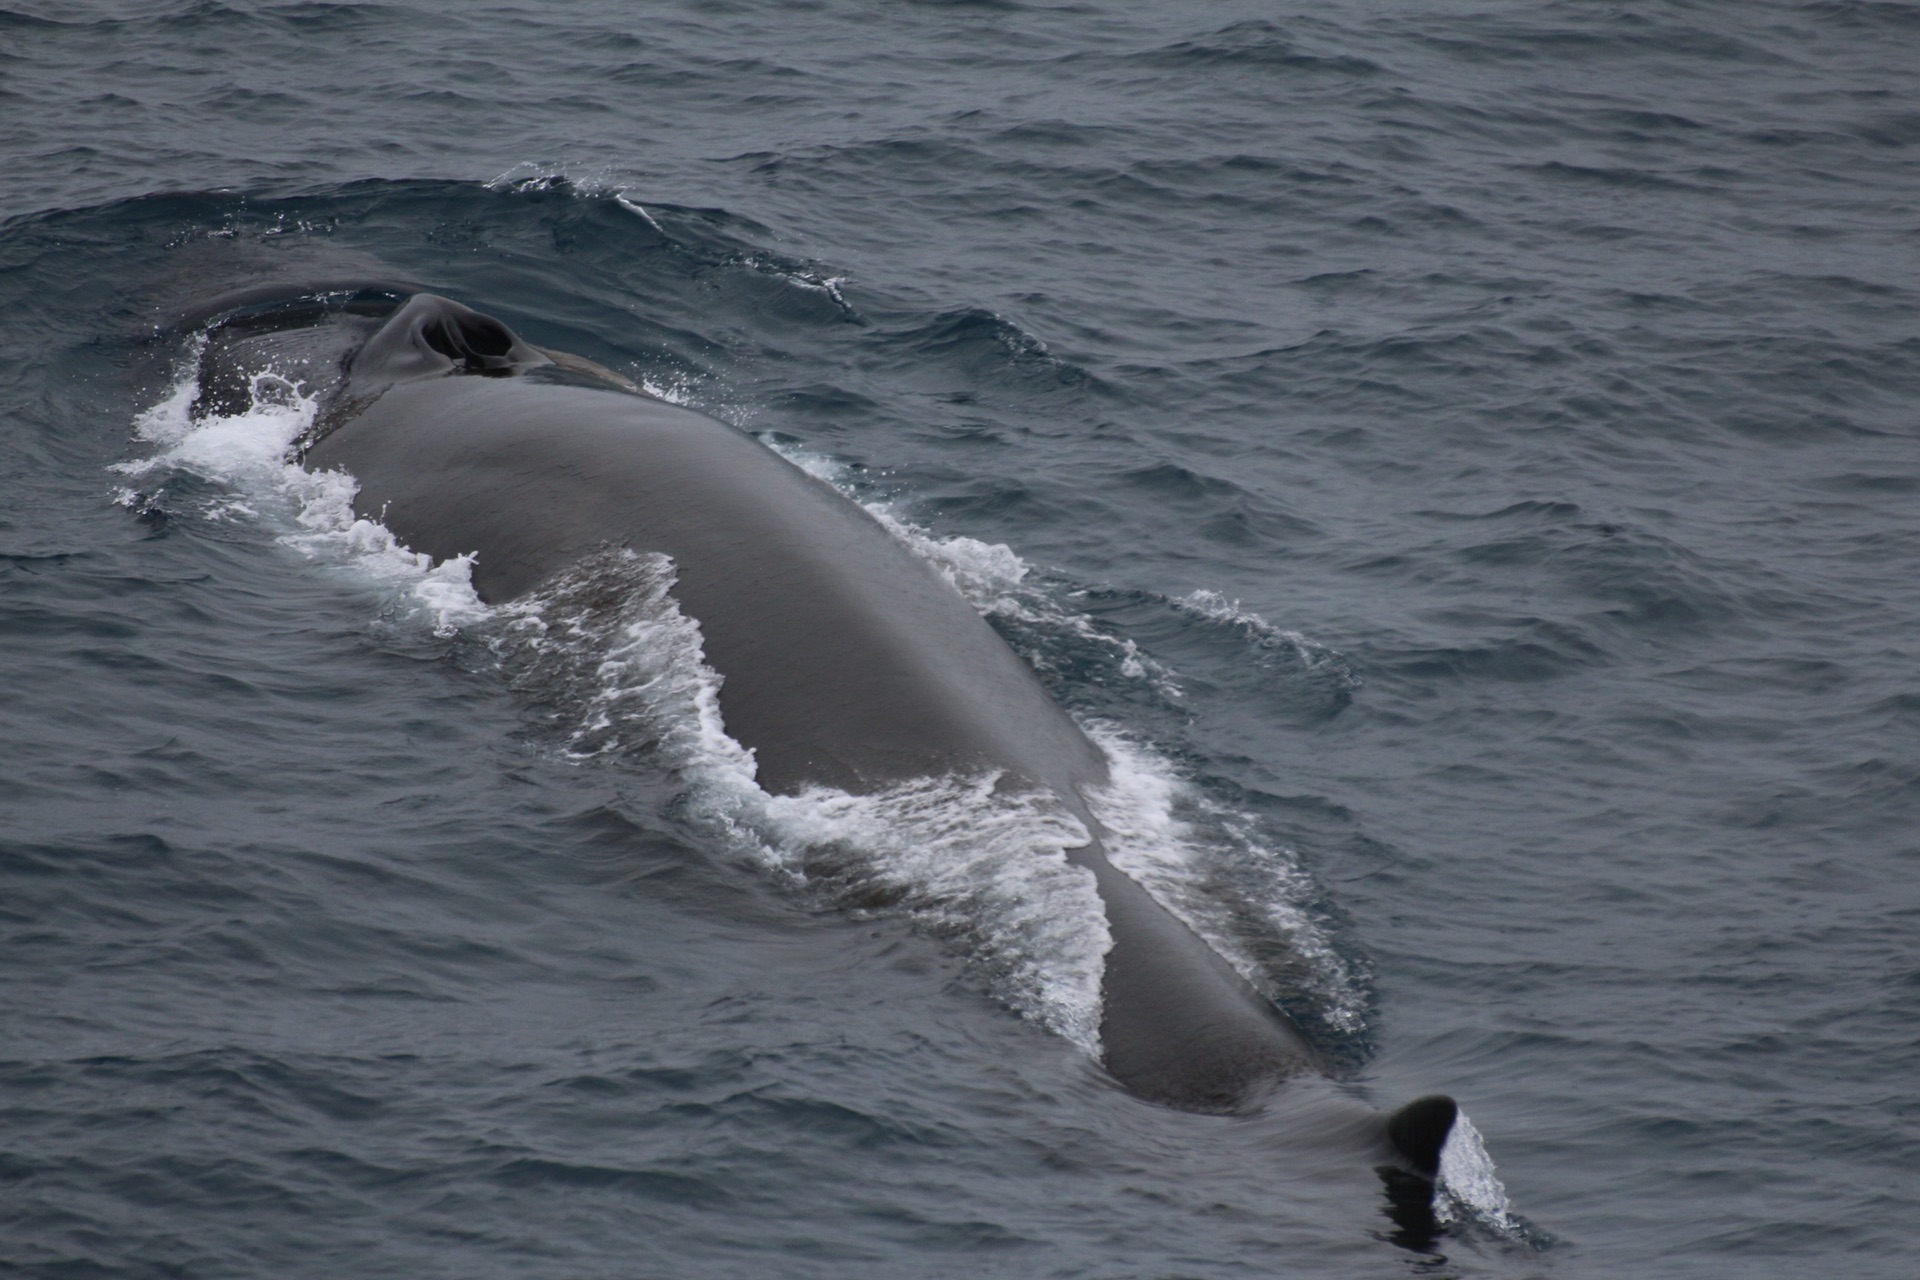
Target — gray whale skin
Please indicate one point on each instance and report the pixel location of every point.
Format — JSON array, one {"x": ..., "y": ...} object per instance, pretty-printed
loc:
[{"x": 845, "y": 660}]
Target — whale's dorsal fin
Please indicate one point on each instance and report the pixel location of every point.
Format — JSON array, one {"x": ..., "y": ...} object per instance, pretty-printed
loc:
[{"x": 1419, "y": 1130}]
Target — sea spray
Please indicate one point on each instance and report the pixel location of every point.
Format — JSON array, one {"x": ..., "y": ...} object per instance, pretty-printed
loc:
[
  {"x": 605, "y": 656},
  {"x": 249, "y": 457},
  {"x": 605, "y": 651},
  {"x": 1468, "y": 1188},
  {"x": 1213, "y": 866}
]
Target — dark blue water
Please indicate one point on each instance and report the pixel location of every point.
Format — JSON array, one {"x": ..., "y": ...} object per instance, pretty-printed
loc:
[{"x": 1467, "y": 455}]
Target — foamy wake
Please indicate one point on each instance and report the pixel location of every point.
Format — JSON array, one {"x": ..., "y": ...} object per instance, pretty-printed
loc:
[
  {"x": 606, "y": 647},
  {"x": 1469, "y": 1190},
  {"x": 1205, "y": 862},
  {"x": 248, "y": 456},
  {"x": 1211, "y": 867},
  {"x": 606, "y": 655}
]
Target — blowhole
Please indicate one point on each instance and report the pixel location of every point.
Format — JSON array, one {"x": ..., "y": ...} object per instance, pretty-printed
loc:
[{"x": 474, "y": 340}]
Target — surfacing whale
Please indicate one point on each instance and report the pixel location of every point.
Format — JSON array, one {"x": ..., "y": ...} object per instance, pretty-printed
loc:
[{"x": 845, "y": 660}]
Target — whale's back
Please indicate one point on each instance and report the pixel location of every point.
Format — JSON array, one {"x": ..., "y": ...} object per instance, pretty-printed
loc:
[{"x": 845, "y": 659}]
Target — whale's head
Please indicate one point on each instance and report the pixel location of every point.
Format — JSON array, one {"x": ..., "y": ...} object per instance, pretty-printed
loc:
[{"x": 349, "y": 342}]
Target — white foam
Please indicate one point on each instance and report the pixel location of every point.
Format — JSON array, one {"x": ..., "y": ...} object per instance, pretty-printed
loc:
[
  {"x": 1468, "y": 1186},
  {"x": 1209, "y": 866},
  {"x": 590, "y": 180},
  {"x": 608, "y": 648},
  {"x": 607, "y": 653},
  {"x": 986, "y": 573},
  {"x": 975, "y": 864},
  {"x": 995, "y": 581},
  {"x": 820, "y": 466},
  {"x": 1205, "y": 862},
  {"x": 249, "y": 456}
]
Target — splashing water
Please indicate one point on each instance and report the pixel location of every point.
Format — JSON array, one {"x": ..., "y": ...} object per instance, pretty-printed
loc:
[
  {"x": 249, "y": 455},
  {"x": 982, "y": 868},
  {"x": 1209, "y": 866},
  {"x": 1206, "y": 863},
  {"x": 607, "y": 657},
  {"x": 605, "y": 653},
  {"x": 621, "y": 670},
  {"x": 1468, "y": 1188}
]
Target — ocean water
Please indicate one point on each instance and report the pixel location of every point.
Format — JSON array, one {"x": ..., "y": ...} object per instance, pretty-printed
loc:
[{"x": 1463, "y": 462}]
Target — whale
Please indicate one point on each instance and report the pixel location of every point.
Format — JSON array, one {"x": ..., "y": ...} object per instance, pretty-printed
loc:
[{"x": 845, "y": 661}]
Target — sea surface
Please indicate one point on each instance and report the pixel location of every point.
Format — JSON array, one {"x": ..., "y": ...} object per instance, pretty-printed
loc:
[{"x": 1461, "y": 460}]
